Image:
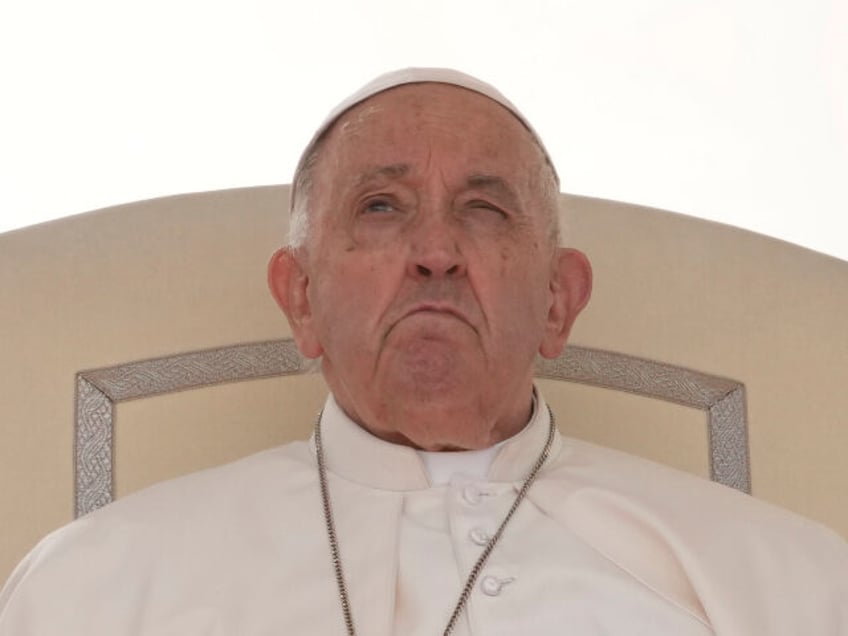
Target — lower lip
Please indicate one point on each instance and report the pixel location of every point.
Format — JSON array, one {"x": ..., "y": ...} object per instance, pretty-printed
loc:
[{"x": 435, "y": 313}]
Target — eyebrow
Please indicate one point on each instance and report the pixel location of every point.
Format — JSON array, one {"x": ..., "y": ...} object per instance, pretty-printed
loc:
[{"x": 391, "y": 171}]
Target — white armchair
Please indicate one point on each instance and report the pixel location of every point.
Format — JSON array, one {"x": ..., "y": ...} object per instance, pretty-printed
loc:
[{"x": 709, "y": 348}]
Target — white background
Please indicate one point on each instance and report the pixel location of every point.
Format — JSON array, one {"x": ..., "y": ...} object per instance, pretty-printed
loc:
[{"x": 733, "y": 110}]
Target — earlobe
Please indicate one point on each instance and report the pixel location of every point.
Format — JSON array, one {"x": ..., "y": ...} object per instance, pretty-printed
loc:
[
  {"x": 570, "y": 288},
  {"x": 288, "y": 282}
]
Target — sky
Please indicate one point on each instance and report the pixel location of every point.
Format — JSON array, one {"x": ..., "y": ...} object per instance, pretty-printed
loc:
[{"x": 730, "y": 110}]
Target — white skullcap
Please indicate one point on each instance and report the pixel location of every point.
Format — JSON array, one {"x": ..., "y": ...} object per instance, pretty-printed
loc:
[{"x": 418, "y": 76}]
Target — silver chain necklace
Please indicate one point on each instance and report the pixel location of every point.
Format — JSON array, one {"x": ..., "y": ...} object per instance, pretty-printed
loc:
[{"x": 478, "y": 566}]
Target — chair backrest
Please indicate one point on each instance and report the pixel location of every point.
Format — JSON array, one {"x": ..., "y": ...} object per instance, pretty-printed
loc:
[{"x": 704, "y": 346}]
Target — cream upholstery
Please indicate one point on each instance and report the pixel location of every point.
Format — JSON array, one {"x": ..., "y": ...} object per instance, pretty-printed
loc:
[{"x": 187, "y": 273}]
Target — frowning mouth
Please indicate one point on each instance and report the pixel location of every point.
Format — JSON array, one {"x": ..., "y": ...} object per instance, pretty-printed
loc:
[{"x": 432, "y": 320}]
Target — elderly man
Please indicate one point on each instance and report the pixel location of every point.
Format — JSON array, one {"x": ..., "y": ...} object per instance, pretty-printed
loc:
[{"x": 436, "y": 496}]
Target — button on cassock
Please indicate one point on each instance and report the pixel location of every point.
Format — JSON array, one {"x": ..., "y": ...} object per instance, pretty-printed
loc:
[
  {"x": 479, "y": 536},
  {"x": 472, "y": 494},
  {"x": 492, "y": 585}
]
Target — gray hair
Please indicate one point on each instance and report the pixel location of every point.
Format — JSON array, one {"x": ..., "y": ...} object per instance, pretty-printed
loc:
[{"x": 299, "y": 215}]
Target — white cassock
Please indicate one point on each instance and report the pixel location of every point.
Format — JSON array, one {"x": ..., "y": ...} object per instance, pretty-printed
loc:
[{"x": 604, "y": 544}]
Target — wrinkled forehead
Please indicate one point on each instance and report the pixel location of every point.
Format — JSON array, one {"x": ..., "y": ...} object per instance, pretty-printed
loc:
[{"x": 419, "y": 76}]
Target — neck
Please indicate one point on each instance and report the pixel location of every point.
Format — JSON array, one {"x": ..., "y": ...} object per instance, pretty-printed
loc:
[{"x": 434, "y": 429}]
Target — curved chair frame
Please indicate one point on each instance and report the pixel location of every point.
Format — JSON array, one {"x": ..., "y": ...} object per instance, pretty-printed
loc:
[{"x": 98, "y": 391}]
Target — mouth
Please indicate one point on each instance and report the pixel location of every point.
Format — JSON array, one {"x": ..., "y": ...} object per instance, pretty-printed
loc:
[
  {"x": 432, "y": 319},
  {"x": 438, "y": 309}
]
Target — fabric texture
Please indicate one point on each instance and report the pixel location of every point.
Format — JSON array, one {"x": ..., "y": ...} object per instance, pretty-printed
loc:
[{"x": 605, "y": 543}]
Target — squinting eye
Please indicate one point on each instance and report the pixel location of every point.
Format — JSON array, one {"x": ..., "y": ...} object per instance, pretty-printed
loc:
[{"x": 485, "y": 206}]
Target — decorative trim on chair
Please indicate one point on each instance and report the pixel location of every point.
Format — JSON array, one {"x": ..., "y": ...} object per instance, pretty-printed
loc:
[
  {"x": 723, "y": 399},
  {"x": 94, "y": 428},
  {"x": 99, "y": 390}
]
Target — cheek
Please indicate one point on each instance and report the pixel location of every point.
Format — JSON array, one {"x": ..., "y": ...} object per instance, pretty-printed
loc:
[
  {"x": 377, "y": 236},
  {"x": 522, "y": 288},
  {"x": 349, "y": 294}
]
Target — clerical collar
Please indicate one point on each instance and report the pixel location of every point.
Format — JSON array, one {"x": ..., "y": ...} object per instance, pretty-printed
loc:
[
  {"x": 356, "y": 455},
  {"x": 442, "y": 466}
]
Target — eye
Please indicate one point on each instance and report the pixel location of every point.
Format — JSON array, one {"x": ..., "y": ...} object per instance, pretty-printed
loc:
[
  {"x": 486, "y": 207},
  {"x": 378, "y": 206}
]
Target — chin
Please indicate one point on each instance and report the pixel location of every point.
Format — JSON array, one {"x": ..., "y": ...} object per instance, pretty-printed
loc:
[{"x": 458, "y": 437}]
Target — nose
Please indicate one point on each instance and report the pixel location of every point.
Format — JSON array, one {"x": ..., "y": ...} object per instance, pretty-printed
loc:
[{"x": 435, "y": 250}]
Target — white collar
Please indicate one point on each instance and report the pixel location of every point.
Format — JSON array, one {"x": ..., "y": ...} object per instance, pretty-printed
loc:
[
  {"x": 473, "y": 464},
  {"x": 354, "y": 454}
]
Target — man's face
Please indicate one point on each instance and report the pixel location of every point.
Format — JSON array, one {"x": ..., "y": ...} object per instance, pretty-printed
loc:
[{"x": 429, "y": 279}]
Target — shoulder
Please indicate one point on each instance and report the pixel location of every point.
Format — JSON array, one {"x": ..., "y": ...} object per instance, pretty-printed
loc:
[
  {"x": 583, "y": 468},
  {"x": 224, "y": 519},
  {"x": 732, "y": 553},
  {"x": 274, "y": 473}
]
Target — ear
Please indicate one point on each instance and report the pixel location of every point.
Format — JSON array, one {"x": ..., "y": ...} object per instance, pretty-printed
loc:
[
  {"x": 288, "y": 282},
  {"x": 570, "y": 289}
]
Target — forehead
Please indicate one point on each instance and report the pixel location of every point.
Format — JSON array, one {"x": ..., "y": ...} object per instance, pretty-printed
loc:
[{"x": 409, "y": 123}]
